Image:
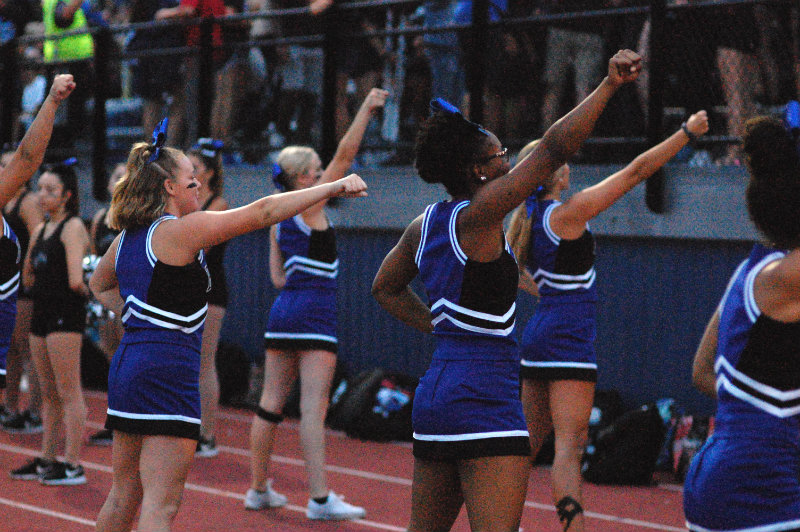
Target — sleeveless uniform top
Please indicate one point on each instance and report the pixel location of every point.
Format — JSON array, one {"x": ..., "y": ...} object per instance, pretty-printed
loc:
[
  {"x": 10, "y": 257},
  {"x": 49, "y": 263},
  {"x": 218, "y": 295},
  {"x": 104, "y": 236},
  {"x": 309, "y": 255},
  {"x": 14, "y": 219},
  {"x": 163, "y": 303},
  {"x": 560, "y": 267},
  {"x": 473, "y": 303},
  {"x": 757, "y": 362}
]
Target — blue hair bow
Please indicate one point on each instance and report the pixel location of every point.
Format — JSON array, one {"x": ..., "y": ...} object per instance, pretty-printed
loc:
[
  {"x": 159, "y": 138},
  {"x": 208, "y": 147},
  {"x": 72, "y": 161},
  {"x": 440, "y": 105},
  {"x": 791, "y": 118},
  {"x": 277, "y": 172}
]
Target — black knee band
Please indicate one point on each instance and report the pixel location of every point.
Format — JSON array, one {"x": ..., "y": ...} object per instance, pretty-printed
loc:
[
  {"x": 567, "y": 509},
  {"x": 272, "y": 417}
]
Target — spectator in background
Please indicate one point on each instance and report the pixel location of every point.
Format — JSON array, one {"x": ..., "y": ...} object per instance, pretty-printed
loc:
[
  {"x": 443, "y": 49},
  {"x": 510, "y": 77},
  {"x": 206, "y": 159},
  {"x": 77, "y": 51},
  {"x": 33, "y": 92},
  {"x": 359, "y": 60},
  {"x": 300, "y": 70},
  {"x": 159, "y": 80},
  {"x": 737, "y": 38},
  {"x": 572, "y": 45},
  {"x": 231, "y": 78},
  {"x": 23, "y": 213},
  {"x": 201, "y": 9},
  {"x": 14, "y": 15}
]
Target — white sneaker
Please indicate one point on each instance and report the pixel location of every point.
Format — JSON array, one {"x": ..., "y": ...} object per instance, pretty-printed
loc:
[
  {"x": 269, "y": 498},
  {"x": 334, "y": 509}
]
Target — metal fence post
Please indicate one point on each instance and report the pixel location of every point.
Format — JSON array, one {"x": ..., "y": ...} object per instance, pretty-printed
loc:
[
  {"x": 205, "y": 92},
  {"x": 480, "y": 38},
  {"x": 654, "y": 192},
  {"x": 99, "y": 145},
  {"x": 8, "y": 86},
  {"x": 329, "y": 67}
]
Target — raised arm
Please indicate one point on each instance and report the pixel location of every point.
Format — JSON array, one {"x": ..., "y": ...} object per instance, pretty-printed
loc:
[
  {"x": 499, "y": 197},
  {"x": 347, "y": 149},
  {"x": 588, "y": 203},
  {"x": 178, "y": 241},
  {"x": 391, "y": 285},
  {"x": 30, "y": 153}
]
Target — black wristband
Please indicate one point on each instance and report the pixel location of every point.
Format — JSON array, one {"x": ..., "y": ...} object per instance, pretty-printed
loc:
[{"x": 692, "y": 136}]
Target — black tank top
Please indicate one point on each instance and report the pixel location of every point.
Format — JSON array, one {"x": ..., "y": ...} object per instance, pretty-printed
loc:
[
  {"x": 104, "y": 236},
  {"x": 49, "y": 262},
  {"x": 18, "y": 224},
  {"x": 218, "y": 295}
]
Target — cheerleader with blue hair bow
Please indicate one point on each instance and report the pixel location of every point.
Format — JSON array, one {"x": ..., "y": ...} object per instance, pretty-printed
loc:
[
  {"x": 470, "y": 439},
  {"x": 301, "y": 335},
  {"x": 556, "y": 251}
]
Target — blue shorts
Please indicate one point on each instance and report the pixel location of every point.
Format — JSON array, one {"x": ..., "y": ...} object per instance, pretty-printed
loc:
[
  {"x": 153, "y": 388},
  {"x": 467, "y": 409},
  {"x": 558, "y": 342},
  {"x": 737, "y": 484},
  {"x": 301, "y": 320}
]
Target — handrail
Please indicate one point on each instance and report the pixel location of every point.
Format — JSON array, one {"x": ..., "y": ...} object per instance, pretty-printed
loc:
[{"x": 480, "y": 32}]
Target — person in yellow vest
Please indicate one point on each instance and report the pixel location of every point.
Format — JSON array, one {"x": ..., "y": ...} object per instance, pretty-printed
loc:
[{"x": 72, "y": 53}]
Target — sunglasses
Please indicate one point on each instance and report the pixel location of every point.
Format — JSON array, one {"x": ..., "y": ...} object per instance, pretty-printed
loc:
[{"x": 503, "y": 154}]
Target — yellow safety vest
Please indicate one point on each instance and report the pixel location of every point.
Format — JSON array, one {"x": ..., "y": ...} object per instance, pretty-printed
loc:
[{"x": 71, "y": 48}]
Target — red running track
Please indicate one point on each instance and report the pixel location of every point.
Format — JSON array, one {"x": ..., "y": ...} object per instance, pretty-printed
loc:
[{"x": 374, "y": 475}]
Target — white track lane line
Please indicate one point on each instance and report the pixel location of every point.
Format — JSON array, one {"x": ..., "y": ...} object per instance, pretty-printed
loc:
[
  {"x": 44, "y": 511},
  {"x": 189, "y": 486},
  {"x": 358, "y": 473}
]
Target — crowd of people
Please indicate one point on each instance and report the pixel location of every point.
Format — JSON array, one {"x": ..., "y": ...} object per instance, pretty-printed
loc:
[
  {"x": 483, "y": 407},
  {"x": 532, "y": 73}
]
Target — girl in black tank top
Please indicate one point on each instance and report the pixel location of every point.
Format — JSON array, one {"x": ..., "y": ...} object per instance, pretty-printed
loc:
[
  {"x": 206, "y": 157},
  {"x": 54, "y": 268}
]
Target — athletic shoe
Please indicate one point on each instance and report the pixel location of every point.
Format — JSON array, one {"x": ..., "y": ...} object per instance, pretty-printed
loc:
[
  {"x": 206, "y": 448},
  {"x": 4, "y": 414},
  {"x": 102, "y": 437},
  {"x": 63, "y": 474},
  {"x": 334, "y": 509},
  {"x": 33, "y": 470},
  {"x": 269, "y": 498},
  {"x": 23, "y": 423}
]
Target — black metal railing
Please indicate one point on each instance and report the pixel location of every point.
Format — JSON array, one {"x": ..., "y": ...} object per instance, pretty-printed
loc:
[{"x": 656, "y": 116}]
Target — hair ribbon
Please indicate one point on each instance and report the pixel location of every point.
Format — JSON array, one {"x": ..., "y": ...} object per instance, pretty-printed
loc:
[
  {"x": 440, "y": 105},
  {"x": 159, "y": 138},
  {"x": 277, "y": 172}
]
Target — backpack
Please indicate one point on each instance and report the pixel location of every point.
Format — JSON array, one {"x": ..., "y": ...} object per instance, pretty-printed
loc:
[
  {"x": 690, "y": 434},
  {"x": 626, "y": 451},
  {"x": 375, "y": 406}
]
